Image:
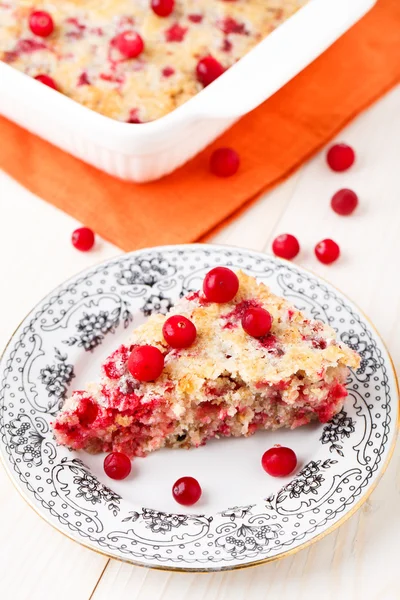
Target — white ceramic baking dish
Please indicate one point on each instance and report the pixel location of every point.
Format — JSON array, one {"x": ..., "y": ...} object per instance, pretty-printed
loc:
[{"x": 143, "y": 152}]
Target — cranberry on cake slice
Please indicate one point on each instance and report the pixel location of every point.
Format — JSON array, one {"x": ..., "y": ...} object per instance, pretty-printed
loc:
[
  {"x": 225, "y": 361},
  {"x": 41, "y": 23}
]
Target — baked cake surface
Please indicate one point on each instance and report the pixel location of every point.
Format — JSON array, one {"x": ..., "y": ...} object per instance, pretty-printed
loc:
[
  {"x": 80, "y": 57},
  {"x": 226, "y": 384}
]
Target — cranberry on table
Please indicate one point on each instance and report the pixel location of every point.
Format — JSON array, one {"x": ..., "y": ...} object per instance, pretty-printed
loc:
[
  {"x": 128, "y": 43},
  {"x": 83, "y": 239},
  {"x": 344, "y": 202},
  {"x": 47, "y": 80},
  {"x": 208, "y": 69},
  {"x": 279, "y": 461},
  {"x": 327, "y": 251},
  {"x": 162, "y": 8},
  {"x": 41, "y": 23},
  {"x": 117, "y": 465},
  {"x": 146, "y": 363},
  {"x": 256, "y": 322},
  {"x": 186, "y": 491},
  {"x": 179, "y": 332},
  {"x": 224, "y": 162},
  {"x": 286, "y": 246},
  {"x": 340, "y": 157},
  {"x": 220, "y": 285}
]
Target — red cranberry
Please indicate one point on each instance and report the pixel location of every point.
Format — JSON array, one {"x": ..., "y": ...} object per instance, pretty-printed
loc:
[
  {"x": 83, "y": 239},
  {"x": 344, "y": 202},
  {"x": 327, "y": 251},
  {"x": 87, "y": 412},
  {"x": 226, "y": 45},
  {"x": 220, "y": 285},
  {"x": 286, "y": 246},
  {"x": 41, "y": 23},
  {"x": 229, "y": 25},
  {"x": 162, "y": 8},
  {"x": 340, "y": 157},
  {"x": 168, "y": 71},
  {"x": 47, "y": 80},
  {"x": 224, "y": 162},
  {"x": 186, "y": 491},
  {"x": 256, "y": 322},
  {"x": 195, "y": 18},
  {"x": 128, "y": 43},
  {"x": 83, "y": 79},
  {"x": 134, "y": 116},
  {"x": 175, "y": 33},
  {"x": 117, "y": 465},
  {"x": 179, "y": 332},
  {"x": 208, "y": 69},
  {"x": 279, "y": 461},
  {"x": 146, "y": 363}
]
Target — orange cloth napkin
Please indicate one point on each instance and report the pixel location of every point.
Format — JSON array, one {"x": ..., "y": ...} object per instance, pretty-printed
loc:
[{"x": 272, "y": 141}]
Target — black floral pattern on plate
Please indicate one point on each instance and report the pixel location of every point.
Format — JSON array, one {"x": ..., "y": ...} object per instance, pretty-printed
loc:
[
  {"x": 27, "y": 440},
  {"x": 157, "y": 303},
  {"x": 339, "y": 428},
  {"x": 89, "y": 488},
  {"x": 157, "y": 521},
  {"x": 92, "y": 327},
  {"x": 249, "y": 538},
  {"x": 369, "y": 364},
  {"x": 237, "y": 512},
  {"x": 147, "y": 270},
  {"x": 56, "y": 379},
  {"x": 307, "y": 481}
]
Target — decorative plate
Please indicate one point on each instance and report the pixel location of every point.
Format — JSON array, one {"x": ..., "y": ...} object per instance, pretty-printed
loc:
[{"x": 244, "y": 516}]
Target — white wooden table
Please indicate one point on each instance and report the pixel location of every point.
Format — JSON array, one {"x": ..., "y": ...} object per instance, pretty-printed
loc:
[{"x": 358, "y": 561}]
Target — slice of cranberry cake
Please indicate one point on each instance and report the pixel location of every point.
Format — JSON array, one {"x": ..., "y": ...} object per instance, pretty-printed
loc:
[{"x": 226, "y": 361}]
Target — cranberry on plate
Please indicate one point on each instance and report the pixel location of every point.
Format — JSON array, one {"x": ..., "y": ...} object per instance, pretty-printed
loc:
[
  {"x": 340, "y": 157},
  {"x": 41, "y": 23},
  {"x": 220, "y": 285},
  {"x": 279, "y": 461},
  {"x": 179, "y": 332},
  {"x": 327, "y": 251},
  {"x": 186, "y": 491},
  {"x": 224, "y": 162},
  {"x": 286, "y": 246},
  {"x": 145, "y": 363},
  {"x": 117, "y": 465},
  {"x": 83, "y": 239}
]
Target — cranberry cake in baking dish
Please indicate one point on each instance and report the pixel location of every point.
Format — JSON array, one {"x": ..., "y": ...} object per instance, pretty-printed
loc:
[
  {"x": 225, "y": 361},
  {"x": 133, "y": 60}
]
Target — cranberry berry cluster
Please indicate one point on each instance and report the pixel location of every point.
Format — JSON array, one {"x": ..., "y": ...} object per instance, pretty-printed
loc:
[{"x": 340, "y": 157}]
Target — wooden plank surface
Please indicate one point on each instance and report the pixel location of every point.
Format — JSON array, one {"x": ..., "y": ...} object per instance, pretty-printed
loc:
[{"x": 358, "y": 561}]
